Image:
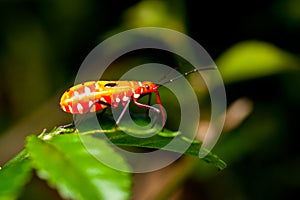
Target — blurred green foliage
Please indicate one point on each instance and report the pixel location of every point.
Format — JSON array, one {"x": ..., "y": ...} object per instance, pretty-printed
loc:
[
  {"x": 255, "y": 45},
  {"x": 77, "y": 174}
]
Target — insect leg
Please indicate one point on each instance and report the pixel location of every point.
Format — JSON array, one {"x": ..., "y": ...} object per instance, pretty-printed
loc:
[
  {"x": 149, "y": 102},
  {"x": 78, "y": 122},
  {"x": 161, "y": 108},
  {"x": 148, "y": 107},
  {"x": 67, "y": 125},
  {"x": 102, "y": 113},
  {"x": 71, "y": 125},
  {"x": 123, "y": 112},
  {"x": 102, "y": 103}
]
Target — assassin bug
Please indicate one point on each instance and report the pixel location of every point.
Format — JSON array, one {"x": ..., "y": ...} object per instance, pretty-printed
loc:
[{"x": 93, "y": 96}]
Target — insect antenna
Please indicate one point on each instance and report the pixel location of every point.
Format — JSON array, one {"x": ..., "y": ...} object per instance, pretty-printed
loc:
[
  {"x": 165, "y": 75},
  {"x": 186, "y": 74}
]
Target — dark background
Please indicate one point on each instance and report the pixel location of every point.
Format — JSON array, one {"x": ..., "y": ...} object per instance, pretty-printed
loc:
[{"x": 42, "y": 45}]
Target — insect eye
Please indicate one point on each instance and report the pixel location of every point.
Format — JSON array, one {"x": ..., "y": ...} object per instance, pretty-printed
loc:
[{"x": 147, "y": 87}]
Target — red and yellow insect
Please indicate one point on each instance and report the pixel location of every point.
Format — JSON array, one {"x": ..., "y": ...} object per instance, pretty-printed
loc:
[{"x": 93, "y": 96}]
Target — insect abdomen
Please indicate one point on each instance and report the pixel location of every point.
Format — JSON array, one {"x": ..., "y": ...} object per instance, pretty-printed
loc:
[{"x": 85, "y": 97}]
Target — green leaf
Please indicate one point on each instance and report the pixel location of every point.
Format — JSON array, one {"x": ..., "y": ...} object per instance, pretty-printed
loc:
[
  {"x": 154, "y": 14},
  {"x": 254, "y": 59},
  {"x": 66, "y": 165},
  {"x": 158, "y": 141},
  {"x": 14, "y": 176}
]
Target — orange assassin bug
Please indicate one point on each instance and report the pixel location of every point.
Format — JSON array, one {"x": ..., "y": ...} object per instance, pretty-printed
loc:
[{"x": 93, "y": 96}]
